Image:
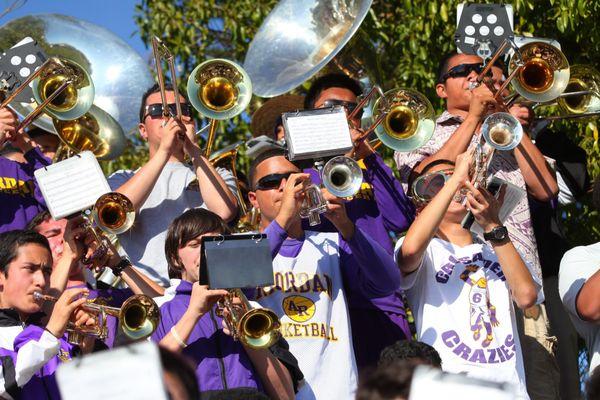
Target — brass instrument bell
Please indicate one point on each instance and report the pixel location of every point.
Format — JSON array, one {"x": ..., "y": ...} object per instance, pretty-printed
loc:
[
  {"x": 409, "y": 121},
  {"x": 219, "y": 89},
  {"x": 544, "y": 72},
  {"x": 502, "y": 131},
  {"x": 586, "y": 80},
  {"x": 257, "y": 328},
  {"x": 113, "y": 213},
  {"x": 342, "y": 176}
]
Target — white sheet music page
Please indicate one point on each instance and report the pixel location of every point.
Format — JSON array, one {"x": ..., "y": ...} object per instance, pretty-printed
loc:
[
  {"x": 72, "y": 185},
  {"x": 321, "y": 133},
  {"x": 125, "y": 373}
]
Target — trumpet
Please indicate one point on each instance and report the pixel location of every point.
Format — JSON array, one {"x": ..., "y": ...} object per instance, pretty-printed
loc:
[
  {"x": 257, "y": 328},
  {"x": 341, "y": 176},
  {"x": 219, "y": 89},
  {"x": 138, "y": 318},
  {"x": 61, "y": 88}
]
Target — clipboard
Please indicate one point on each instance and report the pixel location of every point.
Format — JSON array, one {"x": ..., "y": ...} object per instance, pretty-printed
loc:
[
  {"x": 319, "y": 133},
  {"x": 72, "y": 185},
  {"x": 236, "y": 261}
]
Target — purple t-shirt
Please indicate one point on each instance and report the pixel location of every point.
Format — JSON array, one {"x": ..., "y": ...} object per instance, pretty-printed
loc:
[
  {"x": 221, "y": 363},
  {"x": 379, "y": 207},
  {"x": 20, "y": 198}
]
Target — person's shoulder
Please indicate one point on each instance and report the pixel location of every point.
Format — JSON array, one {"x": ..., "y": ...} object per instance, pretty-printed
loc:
[{"x": 579, "y": 263}]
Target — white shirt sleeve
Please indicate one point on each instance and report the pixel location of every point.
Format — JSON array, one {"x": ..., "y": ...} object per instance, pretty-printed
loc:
[
  {"x": 228, "y": 178},
  {"x": 576, "y": 267},
  {"x": 408, "y": 281},
  {"x": 118, "y": 178}
]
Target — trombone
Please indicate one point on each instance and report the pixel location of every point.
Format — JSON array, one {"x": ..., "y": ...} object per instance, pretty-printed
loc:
[
  {"x": 112, "y": 214},
  {"x": 61, "y": 88},
  {"x": 257, "y": 328},
  {"x": 161, "y": 52},
  {"x": 138, "y": 318},
  {"x": 219, "y": 89}
]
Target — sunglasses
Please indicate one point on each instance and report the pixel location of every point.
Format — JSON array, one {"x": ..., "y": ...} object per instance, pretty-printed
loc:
[
  {"x": 348, "y": 105},
  {"x": 272, "y": 181},
  {"x": 425, "y": 187},
  {"x": 463, "y": 70},
  {"x": 156, "y": 110}
]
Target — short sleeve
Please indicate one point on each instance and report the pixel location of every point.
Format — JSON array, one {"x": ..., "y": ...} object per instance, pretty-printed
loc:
[
  {"x": 576, "y": 267},
  {"x": 118, "y": 178},
  {"x": 410, "y": 280},
  {"x": 228, "y": 178}
]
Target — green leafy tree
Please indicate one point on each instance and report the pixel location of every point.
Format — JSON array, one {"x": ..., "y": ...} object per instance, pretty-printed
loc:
[{"x": 408, "y": 38}]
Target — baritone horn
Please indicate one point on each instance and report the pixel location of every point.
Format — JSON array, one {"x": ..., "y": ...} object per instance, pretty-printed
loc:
[
  {"x": 257, "y": 328},
  {"x": 219, "y": 89},
  {"x": 61, "y": 88},
  {"x": 138, "y": 318},
  {"x": 408, "y": 119},
  {"x": 582, "y": 94}
]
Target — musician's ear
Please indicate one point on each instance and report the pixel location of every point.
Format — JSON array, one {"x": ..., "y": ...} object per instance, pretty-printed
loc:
[
  {"x": 440, "y": 89},
  {"x": 142, "y": 130},
  {"x": 253, "y": 200}
]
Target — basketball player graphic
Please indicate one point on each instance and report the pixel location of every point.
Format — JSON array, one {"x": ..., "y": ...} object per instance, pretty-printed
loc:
[{"x": 483, "y": 313}]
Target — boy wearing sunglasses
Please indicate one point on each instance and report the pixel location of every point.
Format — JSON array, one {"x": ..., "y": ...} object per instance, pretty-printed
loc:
[
  {"x": 456, "y": 131},
  {"x": 462, "y": 289},
  {"x": 159, "y": 189},
  {"x": 316, "y": 275},
  {"x": 380, "y": 207}
]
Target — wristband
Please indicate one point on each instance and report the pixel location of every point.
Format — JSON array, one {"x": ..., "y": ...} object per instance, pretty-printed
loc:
[
  {"x": 120, "y": 267},
  {"x": 178, "y": 338}
]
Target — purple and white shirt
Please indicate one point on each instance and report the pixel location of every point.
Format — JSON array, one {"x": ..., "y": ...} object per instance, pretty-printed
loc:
[{"x": 504, "y": 166}]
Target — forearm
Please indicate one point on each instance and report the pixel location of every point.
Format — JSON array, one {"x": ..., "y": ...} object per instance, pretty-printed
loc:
[
  {"x": 588, "y": 301},
  {"x": 60, "y": 274},
  {"x": 213, "y": 189},
  {"x": 539, "y": 177},
  {"x": 425, "y": 226},
  {"x": 274, "y": 376},
  {"x": 457, "y": 143},
  {"x": 140, "y": 283},
  {"x": 377, "y": 273},
  {"x": 518, "y": 277},
  {"x": 141, "y": 184},
  {"x": 184, "y": 328}
]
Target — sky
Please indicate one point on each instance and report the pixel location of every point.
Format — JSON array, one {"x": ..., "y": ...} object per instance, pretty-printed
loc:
[{"x": 114, "y": 15}]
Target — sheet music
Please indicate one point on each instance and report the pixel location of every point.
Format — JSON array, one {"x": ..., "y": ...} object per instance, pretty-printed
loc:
[
  {"x": 322, "y": 132},
  {"x": 72, "y": 185},
  {"x": 128, "y": 373}
]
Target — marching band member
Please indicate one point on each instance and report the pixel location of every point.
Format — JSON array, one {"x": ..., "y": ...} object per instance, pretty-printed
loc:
[
  {"x": 315, "y": 274},
  {"x": 20, "y": 196},
  {"x": 189, "y": 324},
  {"x": 379, "y": 207},
  {"x": 30, "y": 351},
  {"x": 524, "y": 167},
  {"x": 159, "y": 190},
  {"x": 462, "y": 291}
]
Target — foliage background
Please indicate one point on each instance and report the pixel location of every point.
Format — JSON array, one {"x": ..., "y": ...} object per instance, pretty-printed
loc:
[{"x": 408, "y": 37}]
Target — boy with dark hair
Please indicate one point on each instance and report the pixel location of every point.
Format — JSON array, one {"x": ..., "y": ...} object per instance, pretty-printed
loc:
[
  {"x": 20, "y": 196},
  {"x": 379, "y": 207},
  {"x": 190, "y": 325},
  {"x": 31, "y": 350},
  {"x": 160, "y": 190}
]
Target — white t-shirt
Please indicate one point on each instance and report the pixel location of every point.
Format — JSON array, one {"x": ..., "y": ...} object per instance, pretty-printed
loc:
[
  {"x": 144, "y": 243},
  {"x": 576, "y": 267},
  {"x": 463, "y": 308},
  {"x": 308, "y": 297}
]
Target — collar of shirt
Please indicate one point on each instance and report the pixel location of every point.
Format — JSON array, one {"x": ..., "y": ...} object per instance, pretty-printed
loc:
[{"x": 448, "y": 118}]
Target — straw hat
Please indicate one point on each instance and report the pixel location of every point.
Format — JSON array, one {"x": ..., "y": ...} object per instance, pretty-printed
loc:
[{"x": 264, "y": 119}]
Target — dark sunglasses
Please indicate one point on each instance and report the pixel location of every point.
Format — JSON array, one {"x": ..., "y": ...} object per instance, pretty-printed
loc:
[
  {"x": 272, "y": 181},
  {"x": 463, "y": 70},
  {"x": 348, "y": 105},
  {"x": 156, "y": 110}
]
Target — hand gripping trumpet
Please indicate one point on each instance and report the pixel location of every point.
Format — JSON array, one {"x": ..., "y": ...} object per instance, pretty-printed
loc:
[
  {"x": 138, "y": 318},
  {"x": 257, "y": 328}
]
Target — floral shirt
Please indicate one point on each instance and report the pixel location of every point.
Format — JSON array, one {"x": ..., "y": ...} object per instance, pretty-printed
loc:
[{"x": 504, "y": 166}]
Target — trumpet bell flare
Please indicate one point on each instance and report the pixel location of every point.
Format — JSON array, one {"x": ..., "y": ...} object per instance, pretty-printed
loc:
[{"x": 259, "y": 328}]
